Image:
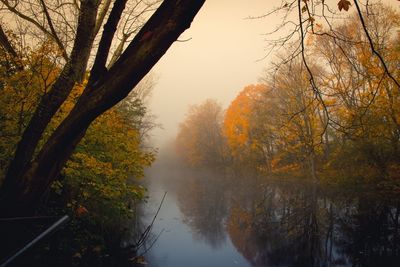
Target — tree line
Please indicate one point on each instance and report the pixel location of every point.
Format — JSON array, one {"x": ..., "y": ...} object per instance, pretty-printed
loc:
[{"x": 345, "y": 124}]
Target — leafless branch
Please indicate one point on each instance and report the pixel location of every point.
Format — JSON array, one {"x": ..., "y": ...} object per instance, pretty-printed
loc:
[
  {"x": 99, "y": 66},
  {"x": 371, "y": 43},
  {"x": 53, "y": 31},
  {"x": 311, "y": 75}
]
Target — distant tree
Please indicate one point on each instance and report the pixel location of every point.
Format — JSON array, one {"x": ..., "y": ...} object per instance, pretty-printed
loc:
[
  {"x": 248, "y": 126},
  {"x": 200, "y": 141},
  {"x": 298, "y": 124}
]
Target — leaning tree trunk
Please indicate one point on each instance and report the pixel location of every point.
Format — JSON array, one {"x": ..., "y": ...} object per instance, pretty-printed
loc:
[{"x": 22, "y": 193}]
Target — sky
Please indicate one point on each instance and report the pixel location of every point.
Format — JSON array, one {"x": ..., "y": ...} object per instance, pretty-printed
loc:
[
  {"x": 220, "y": 59},
  {"x": 224, "y": 54}
]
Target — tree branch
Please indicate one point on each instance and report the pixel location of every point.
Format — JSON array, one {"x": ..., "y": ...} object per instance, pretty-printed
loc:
[
  {"x": 53, "y": 31},
  {"x": 311, "y": 79},
  {"x": 102, "y": 14},
  {"x": 6, "y": 43},
  {"x": 14, "y": 10},
  {"x": 165, "y": 25},
  {"x": 371, "y": 43},
  {"x": 99, "y": 66}
]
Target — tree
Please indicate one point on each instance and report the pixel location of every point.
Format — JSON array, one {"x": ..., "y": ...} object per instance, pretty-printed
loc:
[
  {"x": 34, "y": 167},
  {"x": 300, "y": 128},
  {"x": 349, "y": 102},
  {"x": 248, "y": 126},
  {"x": 21, "y": 91},
  {"x": 199, "y": 141},
  {"x": 363, "y": 98},
  {"x": 98, "y": 186}
]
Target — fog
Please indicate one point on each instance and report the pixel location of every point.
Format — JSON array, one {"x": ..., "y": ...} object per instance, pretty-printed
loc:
[
  {"x": 223, "y": 53},
  {"x": 225, "y": 217},
  {"x": 212, "y": 219}
]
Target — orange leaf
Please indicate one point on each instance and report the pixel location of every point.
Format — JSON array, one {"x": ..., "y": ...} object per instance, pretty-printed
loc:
[
  {"x": 344, "y": 4},
  {"x": 81, "y": 210}
]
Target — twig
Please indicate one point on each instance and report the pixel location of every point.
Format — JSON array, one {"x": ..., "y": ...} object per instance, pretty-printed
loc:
[
  {"x": 374, "y": 51},
  {"x": 146, "y": 232}
]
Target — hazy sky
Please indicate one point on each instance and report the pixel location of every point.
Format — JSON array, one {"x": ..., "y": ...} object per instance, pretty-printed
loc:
[{"x": 219, "y": 60}]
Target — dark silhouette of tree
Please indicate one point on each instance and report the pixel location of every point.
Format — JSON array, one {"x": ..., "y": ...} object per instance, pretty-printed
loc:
[{"x": 35, "y": 166}]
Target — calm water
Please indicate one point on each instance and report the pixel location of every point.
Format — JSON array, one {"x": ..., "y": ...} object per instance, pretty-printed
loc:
[{"x": 209, "y": 219}]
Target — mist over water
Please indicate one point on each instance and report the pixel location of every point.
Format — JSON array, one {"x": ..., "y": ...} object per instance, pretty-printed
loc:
[
  {"x": 216, "y": 218},
  {"x": 192, "y": 222},
  {"x": 221, "y": 217}
]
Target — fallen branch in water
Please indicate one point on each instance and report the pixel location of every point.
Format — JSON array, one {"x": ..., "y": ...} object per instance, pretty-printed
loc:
[{"x": 145, "y": 235}]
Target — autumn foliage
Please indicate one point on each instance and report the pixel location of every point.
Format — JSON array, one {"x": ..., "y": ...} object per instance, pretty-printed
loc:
[
  {"x": 99, "y": 184},
  {"x": 342, "y": 127}
]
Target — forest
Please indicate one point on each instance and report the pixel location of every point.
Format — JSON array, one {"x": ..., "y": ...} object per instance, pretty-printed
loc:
[
  {"x": 75, "y": 125},
  {"x": 302, "y": 168},
  {"x": 343, "y": 127}
]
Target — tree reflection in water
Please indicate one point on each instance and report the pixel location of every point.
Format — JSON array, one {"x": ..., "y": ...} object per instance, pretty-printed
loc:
[
  {"x": 203, "y": 203},
  {"x": 286, "y": 224}
]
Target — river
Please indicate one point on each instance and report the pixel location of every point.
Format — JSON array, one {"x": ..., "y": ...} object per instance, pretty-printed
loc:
[{"x": 212, "y": 219}]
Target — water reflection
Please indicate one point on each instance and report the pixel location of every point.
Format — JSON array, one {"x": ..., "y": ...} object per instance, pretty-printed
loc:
[
  {"x": 203, "y": 204},
  {"x": 286, "y": 224}
]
